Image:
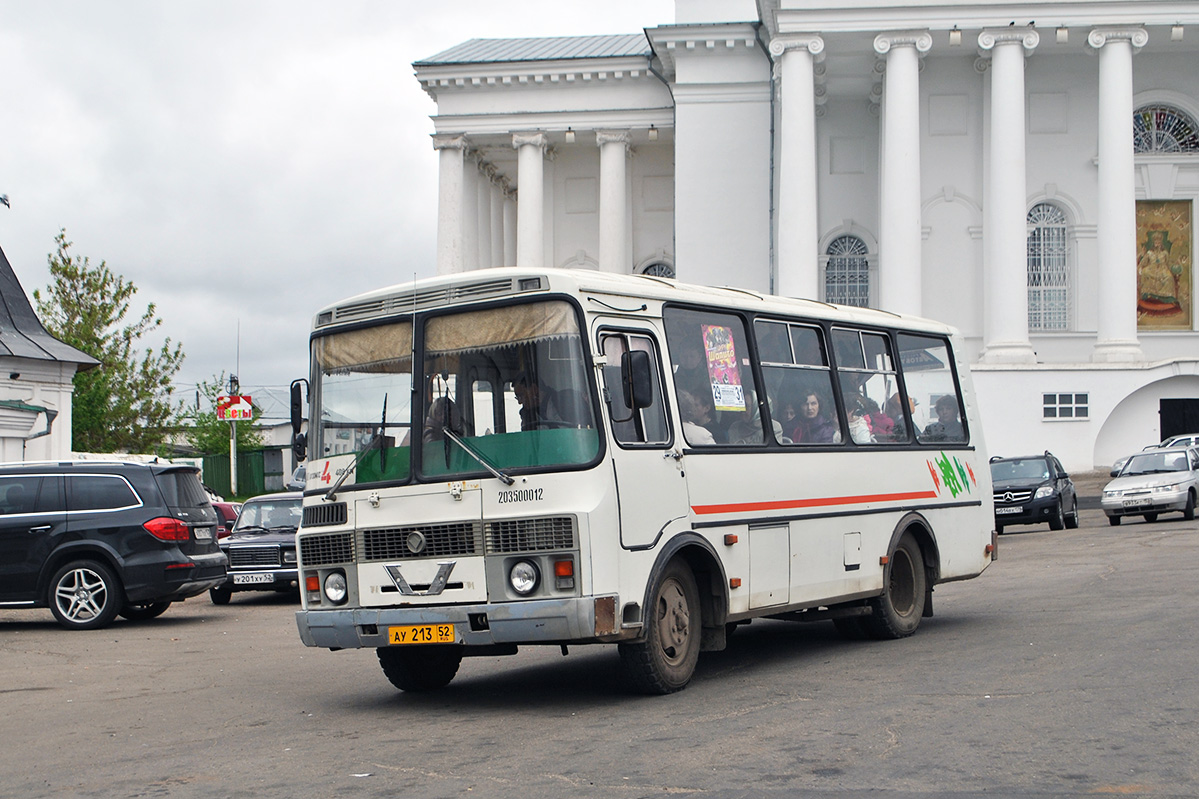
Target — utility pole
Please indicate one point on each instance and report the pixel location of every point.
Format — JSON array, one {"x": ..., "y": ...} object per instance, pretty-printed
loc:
[{"x": 234, "y": 388}]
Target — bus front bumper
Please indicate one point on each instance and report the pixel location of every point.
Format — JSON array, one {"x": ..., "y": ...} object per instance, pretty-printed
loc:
[{"x": 548, "y": 621}]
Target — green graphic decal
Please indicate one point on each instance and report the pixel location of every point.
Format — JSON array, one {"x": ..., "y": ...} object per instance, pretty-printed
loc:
[{"x": 949, "y": 475}]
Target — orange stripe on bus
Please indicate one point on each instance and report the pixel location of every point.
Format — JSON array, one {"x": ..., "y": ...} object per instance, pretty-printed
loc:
[{"x": 820, "y": 502}]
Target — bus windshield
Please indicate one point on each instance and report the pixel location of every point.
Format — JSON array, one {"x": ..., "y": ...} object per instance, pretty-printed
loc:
[
  {"x": 364, "y": 391},
  {"x": 510, "y": 386}
]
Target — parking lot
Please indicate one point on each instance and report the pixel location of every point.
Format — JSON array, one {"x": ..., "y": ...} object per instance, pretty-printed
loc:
[{"x": 1067, "y": 669}]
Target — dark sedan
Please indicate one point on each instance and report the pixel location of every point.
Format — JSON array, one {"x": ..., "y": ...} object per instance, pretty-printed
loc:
[{"x": 262, "y": 547}]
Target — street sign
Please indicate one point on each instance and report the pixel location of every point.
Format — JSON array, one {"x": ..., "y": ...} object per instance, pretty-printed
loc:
[{"x": 234, "y": 408}]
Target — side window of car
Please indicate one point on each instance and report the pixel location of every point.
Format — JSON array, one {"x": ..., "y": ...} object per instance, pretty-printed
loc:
[
  {"x": 18, "y": 494},
  {"x": 99, "y": 492}
]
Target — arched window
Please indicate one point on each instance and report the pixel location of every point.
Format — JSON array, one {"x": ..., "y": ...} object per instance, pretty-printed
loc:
[
  {"x": 847, "y": 273},
  {"x": 659, "y": 269},
  {"x": 1160, "y": 128},
  {"x": 1048, "y": 269}
]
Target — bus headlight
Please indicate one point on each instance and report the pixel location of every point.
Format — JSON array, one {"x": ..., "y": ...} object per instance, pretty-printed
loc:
[
  {"x": 335, "y": 588},
  {"x": 524, "y": 577}
]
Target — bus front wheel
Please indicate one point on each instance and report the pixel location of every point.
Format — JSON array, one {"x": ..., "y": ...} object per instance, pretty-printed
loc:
[
  {"x": 420, "y": 668},
  {"x": 897, "y": 611},
  {"x": 665, "y": 661}
]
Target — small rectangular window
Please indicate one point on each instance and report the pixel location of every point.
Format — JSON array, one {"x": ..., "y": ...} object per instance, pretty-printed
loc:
[
  {"x": 99, "y": 492},
  {"x": 644, "y": 426},
  {"x": 931, "y": 383},
  {"x": 799, "y": 388},
  {"x": 1065, "y": 406}
]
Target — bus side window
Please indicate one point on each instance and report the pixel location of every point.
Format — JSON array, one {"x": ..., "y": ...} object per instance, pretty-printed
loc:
[
  {"x": 929, "y": 376},
  {"x": 869, "y": 387},
  {"x": 646, "y": 426},
  {"x": 799, "y": 386}
]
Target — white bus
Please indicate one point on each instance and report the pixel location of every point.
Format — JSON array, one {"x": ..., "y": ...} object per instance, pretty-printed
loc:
[{"x": 510, "y": 457}]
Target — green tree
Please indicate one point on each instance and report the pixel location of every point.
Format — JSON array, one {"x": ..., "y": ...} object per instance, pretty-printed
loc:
[
  {"x": 210, "y": 435},
  {"x": 126, "y": 404}
]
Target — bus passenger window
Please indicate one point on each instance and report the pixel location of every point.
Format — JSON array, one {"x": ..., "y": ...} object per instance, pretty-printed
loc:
[
  {"x": 711, "y": 365},
  {"x": 928, "y": 373},
  {"x": 869, "y": 387},
  {"x": 645, "y": 426},
  {"x": 799, "y": 388}
]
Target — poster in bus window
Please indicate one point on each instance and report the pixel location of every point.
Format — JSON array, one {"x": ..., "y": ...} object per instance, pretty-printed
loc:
[{"x": 720, "y": 350}]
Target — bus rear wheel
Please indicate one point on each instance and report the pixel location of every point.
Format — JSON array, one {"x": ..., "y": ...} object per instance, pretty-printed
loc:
[
  {"x": 898, "y": 610},
  {"x": 665, "y": 661},
  {"x": 420, "y": 668}
]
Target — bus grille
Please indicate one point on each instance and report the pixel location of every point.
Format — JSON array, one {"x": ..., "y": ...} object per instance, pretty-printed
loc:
[
  {"x": 424, "y": 541},
  {"x": 321, "y": 550},
  {"x": 530, "y": 535},
  {"x": 242, "y": 557},
  {"x": 325, "y": 514}
]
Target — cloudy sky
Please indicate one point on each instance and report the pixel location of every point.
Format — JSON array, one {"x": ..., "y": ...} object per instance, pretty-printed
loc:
[{"x": 241, "y": 161}]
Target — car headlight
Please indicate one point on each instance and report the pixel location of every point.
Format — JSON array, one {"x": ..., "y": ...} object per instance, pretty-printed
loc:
[
  {"x": 524, "y": 577},
  {"x": 1113, "y": 494},
  {"x": 1166, "y": 489},
  {"x": 289, "y": 556},
  {"x": 335, "y": 587},
  {"x": 1043, "y": 491}
]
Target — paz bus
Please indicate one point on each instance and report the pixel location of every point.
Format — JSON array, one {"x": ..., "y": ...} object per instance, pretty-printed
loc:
[{"x": 512, "y": 457}]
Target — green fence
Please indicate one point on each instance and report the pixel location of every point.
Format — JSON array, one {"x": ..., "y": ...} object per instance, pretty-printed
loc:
[{"x": 251, "y": 474}]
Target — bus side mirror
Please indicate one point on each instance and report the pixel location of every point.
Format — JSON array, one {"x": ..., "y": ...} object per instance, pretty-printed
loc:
[
  {"x": 636, "y": 379},
  {"x": 299, "y": 441}
]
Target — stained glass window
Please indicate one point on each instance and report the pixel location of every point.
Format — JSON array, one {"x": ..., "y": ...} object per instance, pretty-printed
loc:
[
  {"x": 1164, "y": 129},
  {"x": 1048, "y": 269},
  {"x": 847, "y": 274}
]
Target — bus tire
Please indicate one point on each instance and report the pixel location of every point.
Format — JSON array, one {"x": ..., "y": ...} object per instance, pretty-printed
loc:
[
  {"x": 420, "y": 668},
  {"x": 897, "y": 611},
  {"x": 665, "y": 661}
]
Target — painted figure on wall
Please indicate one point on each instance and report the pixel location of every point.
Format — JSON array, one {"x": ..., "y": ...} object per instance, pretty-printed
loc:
[{"x": 1164, "y": 265}]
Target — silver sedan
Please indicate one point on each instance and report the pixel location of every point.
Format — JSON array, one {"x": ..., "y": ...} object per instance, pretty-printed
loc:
[{"x": 1153, "y": 482}]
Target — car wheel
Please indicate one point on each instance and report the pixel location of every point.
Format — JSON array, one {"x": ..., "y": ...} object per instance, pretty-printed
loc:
[
  {"x": 1072, "y": 518},
  {"x": 665, "y": 661},
  {"x": 221, "y": 594},
  {"x": 1058, "y": 520},
  {"x": 144, "y": 610},
  {"x": 1150, "y": 517},
  {"x": 420, "y": 668},
  {"x": 1188, "y": 512},
  {"x": 1114, "y": 521},
  {"x": 85, "y": 595},
  {"x": 898, "y": 610}
]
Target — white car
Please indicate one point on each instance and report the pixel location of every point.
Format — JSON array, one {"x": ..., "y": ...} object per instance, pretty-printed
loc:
[{"x": 1152, "y": 482}]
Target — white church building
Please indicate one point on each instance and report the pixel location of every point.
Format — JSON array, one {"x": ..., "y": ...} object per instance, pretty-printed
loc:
[{"x": 1025, "y": 171}]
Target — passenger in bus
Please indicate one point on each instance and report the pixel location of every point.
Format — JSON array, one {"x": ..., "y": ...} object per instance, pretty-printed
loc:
[
  {"x": 747, "y": 426},
  {"x": 696, "y": 411},
  {"x": 812, "y": 426},
  {"x": 882, "y": 426},
  {"x": 859, "y": 420},
  {"x": 691, "y": 371},
  {"x": 948, "y": 426},
  {"x": 894, "y": 411}
]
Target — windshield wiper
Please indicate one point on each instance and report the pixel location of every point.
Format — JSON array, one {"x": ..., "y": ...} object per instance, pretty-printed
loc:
[
  {"x": 247, "y": 528},
  {"x": 376, "y": 441},
  {"x": 508, "y": 480}
]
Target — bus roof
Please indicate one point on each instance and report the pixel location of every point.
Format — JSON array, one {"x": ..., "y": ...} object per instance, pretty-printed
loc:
[{"x": 498, "y": 283}]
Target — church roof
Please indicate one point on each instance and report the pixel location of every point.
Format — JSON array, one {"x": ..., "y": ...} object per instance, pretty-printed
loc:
[
  {"x": 21, "y": 332},
  {"x": 555, "y": 48}
]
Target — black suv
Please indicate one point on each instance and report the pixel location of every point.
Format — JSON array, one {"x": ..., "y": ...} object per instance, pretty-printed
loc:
[
  {"x": 262, "y": 547},
  {"x": 1031, "y": 490},
  {"x": 92, "y": 539}
]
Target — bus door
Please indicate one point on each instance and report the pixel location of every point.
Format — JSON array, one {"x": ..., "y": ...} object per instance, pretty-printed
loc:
[{"x": 650, "y": 487}]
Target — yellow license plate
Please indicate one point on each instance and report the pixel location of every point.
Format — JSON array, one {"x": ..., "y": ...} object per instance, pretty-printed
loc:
[{"x": 421, "y": 634}]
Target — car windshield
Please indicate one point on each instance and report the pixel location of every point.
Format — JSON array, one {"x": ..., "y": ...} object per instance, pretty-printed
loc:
[
  {"x": 269, "y": 514},
  {"x": 1020, "y": 469},
  {"x": 1155, "y": 463}
]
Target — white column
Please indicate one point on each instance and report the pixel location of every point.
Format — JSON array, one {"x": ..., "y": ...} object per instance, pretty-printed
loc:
[
  {"x": 497, "y": 221},
  {"x": 1117, "y": 340},
  {"x": 613, "y": 207},
  {"x": 797, "y": 222},
  {"x": 900, "y": 273},
  {"x": 483, "y": 193},
  {"x": 1005, "y": 308},
  {"x": 470, "y": 213},
  {"x": 451, "y": 148},
  {"x": 530, "y": 209},
  {"x": 509, "y": 224}
]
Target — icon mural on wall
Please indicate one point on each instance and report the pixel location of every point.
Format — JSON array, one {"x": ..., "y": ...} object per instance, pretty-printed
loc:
[{"x": 1164, "y": 255}]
